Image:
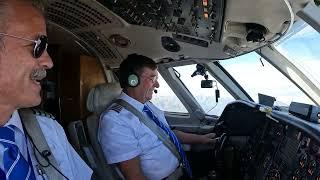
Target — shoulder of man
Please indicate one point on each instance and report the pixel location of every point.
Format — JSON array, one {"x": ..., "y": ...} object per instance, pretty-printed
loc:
[
  {"x": 115, "y": 107},
  {"x": 66, "y": 157},
  {"x": 42, "y": 114}
]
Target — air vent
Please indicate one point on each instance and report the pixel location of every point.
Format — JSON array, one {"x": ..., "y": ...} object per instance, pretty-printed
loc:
[
  {"x": 75, "y": 11},
  {"x": 99, "y": 43},
  {"x": 85, "y": 19}
]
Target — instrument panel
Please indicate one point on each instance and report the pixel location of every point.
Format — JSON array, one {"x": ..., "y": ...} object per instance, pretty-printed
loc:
[
  {"x": 277, "y": 149},
  {"x": 285, "y": 152}
]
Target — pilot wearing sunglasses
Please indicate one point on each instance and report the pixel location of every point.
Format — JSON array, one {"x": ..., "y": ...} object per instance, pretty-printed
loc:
[{"x": 23, "y": 64}]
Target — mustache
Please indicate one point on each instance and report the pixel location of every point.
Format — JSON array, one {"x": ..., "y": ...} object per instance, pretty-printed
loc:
[{"x": 38, "y": 74}]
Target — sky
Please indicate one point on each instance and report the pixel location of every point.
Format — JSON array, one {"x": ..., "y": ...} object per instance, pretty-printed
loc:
[{"x": 302, "y": 49}]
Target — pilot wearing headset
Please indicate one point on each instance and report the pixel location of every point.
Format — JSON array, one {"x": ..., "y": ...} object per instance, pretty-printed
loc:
[
  {"x": 129, "y": 143},
  {"x": 23, "y": 64}
]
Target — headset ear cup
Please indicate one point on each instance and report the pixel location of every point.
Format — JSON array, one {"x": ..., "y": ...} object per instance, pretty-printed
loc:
[{"x": 133, "y": 80}]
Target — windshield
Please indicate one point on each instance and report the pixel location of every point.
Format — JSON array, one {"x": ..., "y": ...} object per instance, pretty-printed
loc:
[
  {"x": 206, "y": 97},
  {"x": 256, "y": 76},
  {"x": 302, "y": 49}
]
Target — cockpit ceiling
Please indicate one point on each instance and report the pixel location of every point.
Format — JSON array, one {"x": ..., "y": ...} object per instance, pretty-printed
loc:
[{"x": 209, "y": 29}]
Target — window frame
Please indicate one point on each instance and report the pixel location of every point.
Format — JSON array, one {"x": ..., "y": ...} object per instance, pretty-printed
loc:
[{"x": 184, "y": 94}]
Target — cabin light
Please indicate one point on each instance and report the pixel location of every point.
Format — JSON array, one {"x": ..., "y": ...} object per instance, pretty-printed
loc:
[
  {"x": 119, "y": 40},
  {"x": 205, "y": 2}
]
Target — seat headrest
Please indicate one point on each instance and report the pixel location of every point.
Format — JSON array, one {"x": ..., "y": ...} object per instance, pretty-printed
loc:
[{"x": 101, "y": 96}]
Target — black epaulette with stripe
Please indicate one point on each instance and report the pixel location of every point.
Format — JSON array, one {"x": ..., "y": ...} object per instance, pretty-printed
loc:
[
  {"x": 115, "y": 107},
  {"x": 39, "y": 112}
]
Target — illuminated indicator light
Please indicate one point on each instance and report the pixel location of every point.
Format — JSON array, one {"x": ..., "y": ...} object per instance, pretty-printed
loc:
[
  {"x": 205, "y": 2},
  {"x": 310, "y": 172},
  {"x": 301, "y": 164}
]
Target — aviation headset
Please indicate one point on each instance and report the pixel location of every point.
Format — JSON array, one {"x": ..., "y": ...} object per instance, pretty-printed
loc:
[
  {"x": 133, "y": 79},
  {"x": 130, "y": 76}
]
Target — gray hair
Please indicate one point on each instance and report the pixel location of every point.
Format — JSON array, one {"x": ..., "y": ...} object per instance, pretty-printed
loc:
[{"x": 39, "y": 4}]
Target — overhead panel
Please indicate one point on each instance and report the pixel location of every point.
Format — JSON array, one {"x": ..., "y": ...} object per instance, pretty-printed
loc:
[
  {"x": 196, "y": 18},
  {"x": 85, "y": 20}
]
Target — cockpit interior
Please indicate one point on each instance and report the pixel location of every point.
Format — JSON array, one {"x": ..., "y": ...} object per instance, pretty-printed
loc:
[{"x": 243, "y": 69}]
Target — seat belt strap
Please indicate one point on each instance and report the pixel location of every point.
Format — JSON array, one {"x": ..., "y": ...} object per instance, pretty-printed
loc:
[
  {"x": 152, "y": 126},
  {"x": 33, "y": 129}
]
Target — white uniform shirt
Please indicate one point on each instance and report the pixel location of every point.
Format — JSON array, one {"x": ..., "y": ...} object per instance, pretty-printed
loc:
[
  {"x": 123, "y": 137},
  {"x": 69, "y": 162}
]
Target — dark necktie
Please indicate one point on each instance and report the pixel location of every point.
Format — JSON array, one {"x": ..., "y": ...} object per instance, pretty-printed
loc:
[
  {"x": 15, "y": 166},
  {"x": 173, "y": 138}
]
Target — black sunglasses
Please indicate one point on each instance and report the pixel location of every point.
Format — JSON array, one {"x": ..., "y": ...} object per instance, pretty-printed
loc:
[{"x": 40, "y": 45}]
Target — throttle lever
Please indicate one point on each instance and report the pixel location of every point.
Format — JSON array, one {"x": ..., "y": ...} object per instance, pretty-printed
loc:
[{"x": 222, "y": 140}]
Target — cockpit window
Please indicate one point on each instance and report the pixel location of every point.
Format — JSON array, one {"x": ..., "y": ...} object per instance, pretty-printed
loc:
[
  {"x": 302, "y": 48},
  {"x": 204, "y": 96},
  {"x": 166, "y": 99},
  {"x": 256, "y": 75}
]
